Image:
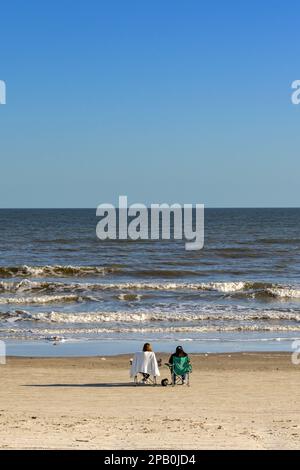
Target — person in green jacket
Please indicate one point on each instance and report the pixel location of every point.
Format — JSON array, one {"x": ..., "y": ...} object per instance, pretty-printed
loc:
[{"x": 178, "y": 353}]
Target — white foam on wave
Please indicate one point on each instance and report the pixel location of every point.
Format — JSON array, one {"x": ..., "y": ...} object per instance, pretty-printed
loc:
[
  {"x": 284, "y": 292},
  {"x": 148, "y": 330},
  {"x": 218, "y": 286},
  {"x": 45, "y": 299},
  {"x": 129, "y": 297},
  {"x": 55, "y": 270},
  {"x": 27, "y": 284},
  {"x": 150, "y": 316},
  {"x": 251, "y": 289}
]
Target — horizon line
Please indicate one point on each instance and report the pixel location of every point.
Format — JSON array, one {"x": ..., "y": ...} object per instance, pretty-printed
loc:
[{"x": 148, "y": 207}]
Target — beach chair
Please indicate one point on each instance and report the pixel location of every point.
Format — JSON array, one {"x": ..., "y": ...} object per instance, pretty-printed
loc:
[
  {"x": 180, "y": 368},
  {"x": 144, "y": 368}
]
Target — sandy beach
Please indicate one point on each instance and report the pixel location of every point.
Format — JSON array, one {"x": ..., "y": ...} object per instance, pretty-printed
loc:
[{"x": 249, "y": 400}]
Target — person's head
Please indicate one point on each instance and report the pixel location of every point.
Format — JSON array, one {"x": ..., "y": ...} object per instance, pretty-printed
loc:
[
  {"x": 147, "y": 347},
  {"x": 180, "y": 352}
]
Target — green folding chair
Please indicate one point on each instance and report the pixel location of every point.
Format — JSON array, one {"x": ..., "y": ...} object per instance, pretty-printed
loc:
[{"x": 180, "y": 371}]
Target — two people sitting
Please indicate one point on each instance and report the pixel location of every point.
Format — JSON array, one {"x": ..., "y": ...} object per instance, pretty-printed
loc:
[{"x": 145, "y": 363}]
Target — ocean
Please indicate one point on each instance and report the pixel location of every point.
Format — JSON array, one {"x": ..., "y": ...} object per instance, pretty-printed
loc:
[{"x": 64, "y": 292}]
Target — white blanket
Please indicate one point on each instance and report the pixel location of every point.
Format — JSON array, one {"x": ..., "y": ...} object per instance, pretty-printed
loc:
[{"x": 144, "y": 362}]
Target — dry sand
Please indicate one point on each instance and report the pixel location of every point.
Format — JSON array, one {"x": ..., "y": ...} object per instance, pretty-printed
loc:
[{"x": 238, "y": 401}]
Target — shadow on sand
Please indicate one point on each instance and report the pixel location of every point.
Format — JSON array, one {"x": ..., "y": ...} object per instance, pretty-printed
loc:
[{"x": 96, "y": 385}]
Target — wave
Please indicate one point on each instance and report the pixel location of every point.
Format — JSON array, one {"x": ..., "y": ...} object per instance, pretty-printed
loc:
[
  {"x": 147, "y": 317},
  {"x": 31, "y": 285},
  {"x": 250, "y": 289},
  {"x": 164, "y": 273},
  {"x": 148, "y": 330},
  {"x": 45, "y": 299},
  {"x": 129, "y": 297},
  {"x": 27, "y": 285},
  {"x": 55, "y": 271},
  {"x": 280, "y": 292},
  {"x": 284, "y": 292}
]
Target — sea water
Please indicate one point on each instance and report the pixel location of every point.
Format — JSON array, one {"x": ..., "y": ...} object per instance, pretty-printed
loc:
[{"x": 65, "y": 292}]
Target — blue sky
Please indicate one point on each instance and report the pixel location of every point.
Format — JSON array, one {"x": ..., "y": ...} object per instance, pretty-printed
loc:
[{"x": 164, "y": 101}]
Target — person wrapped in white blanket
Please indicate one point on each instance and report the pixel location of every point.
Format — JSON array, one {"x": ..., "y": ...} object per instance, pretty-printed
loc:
[{"x": 145, "y": 363}]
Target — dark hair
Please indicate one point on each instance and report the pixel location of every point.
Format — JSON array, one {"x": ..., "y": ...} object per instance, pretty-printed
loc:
[
  {"x": 147, "y": 347},
  {"x": 180, "y": 352}
]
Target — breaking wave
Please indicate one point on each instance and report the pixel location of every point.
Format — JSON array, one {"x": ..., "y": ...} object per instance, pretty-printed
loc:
[
  {"x": 148, "y": 330},
  {"x": 45, "y": 299},
  {"x": 238, "y": 288},
  {"x": 55, "y": 271},
  {"x": 144, "y": 317}
]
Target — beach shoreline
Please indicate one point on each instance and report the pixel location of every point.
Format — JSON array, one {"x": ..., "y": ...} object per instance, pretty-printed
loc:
[
  {"x": 221, "y": 345},
  {"x": 238, "y": 400}
]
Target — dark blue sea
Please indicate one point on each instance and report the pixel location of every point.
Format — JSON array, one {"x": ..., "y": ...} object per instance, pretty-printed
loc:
[{"x": 63, "y": 291}]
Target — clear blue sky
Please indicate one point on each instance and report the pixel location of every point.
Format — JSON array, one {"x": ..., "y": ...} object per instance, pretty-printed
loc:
[{"x": 161, "y": 100}]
